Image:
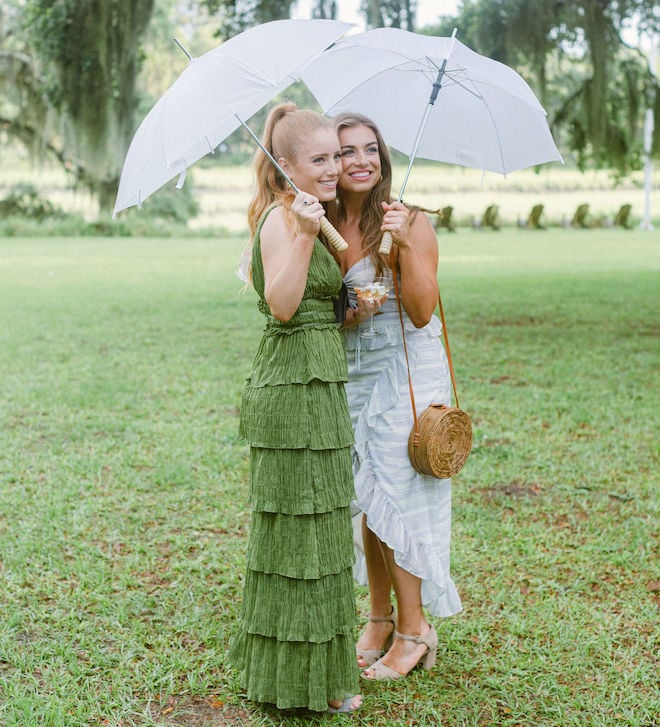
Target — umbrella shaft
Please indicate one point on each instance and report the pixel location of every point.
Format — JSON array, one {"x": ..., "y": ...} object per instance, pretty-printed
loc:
[
  {"x": 182, "y": 48},
  {"x": 434, "y": 95},
  {"x": 268, "y": 154},
  {"x": 437, "y": 85},
  {"x": 418, "y": 139}
]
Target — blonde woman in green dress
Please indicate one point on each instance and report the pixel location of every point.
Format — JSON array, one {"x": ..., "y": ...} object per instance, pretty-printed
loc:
[{"x": 295, "y": 646}]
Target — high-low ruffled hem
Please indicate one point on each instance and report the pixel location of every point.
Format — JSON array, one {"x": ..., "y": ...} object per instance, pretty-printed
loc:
[
  {"x": 413, "y": 554},
  {"x": 439, "y": 594}
]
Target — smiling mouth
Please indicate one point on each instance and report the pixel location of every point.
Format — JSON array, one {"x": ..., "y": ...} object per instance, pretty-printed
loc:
[{"x": 360, "y": 176}]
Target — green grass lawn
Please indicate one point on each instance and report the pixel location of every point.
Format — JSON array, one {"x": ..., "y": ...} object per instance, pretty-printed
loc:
[{"x": 123, "y": 512}]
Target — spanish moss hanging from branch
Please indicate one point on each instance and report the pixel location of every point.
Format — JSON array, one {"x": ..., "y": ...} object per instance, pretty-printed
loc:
[{"x": 89, "y": 55}]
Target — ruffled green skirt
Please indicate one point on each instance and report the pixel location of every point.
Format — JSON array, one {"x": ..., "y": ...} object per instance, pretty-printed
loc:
[{"x": 295, "y": 645}]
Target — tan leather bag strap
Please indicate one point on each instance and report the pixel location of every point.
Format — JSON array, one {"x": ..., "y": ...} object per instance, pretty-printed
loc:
[
  {"x": 403, "y": 334},
  {"x": 405, "y": 347}
]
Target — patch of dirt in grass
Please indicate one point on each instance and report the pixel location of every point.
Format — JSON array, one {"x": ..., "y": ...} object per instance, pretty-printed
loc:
[
  {"x": 200, "y": 712},
  {"x": 523, "y": 320},
  {"x": 494, "y": 442},
  {"x": 516, "y": 488}
]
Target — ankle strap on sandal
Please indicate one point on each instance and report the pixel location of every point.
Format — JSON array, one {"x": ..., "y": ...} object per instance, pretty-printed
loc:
[
  {"x": 429, "y": 639},
  {"x": 384, "y": 619},
  {"x": 416, "y": 639}
]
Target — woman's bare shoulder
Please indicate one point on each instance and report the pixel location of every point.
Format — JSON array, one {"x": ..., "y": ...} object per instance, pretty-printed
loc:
[
  {"x": 422, "y": 230},
  {"x": 276, "y": 227}
]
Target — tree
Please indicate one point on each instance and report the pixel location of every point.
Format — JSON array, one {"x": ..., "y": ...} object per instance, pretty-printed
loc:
[
  {"x": 324, "y": 9},
  {"x": 68, "y": 78},
  {"x": 592, "y": 84},
  {"x": 237, "y": 15},
  {"x": 390, "y": 13}
]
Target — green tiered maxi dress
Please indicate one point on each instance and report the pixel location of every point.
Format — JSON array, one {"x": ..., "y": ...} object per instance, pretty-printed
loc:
[{"x": 295, "y": 646}]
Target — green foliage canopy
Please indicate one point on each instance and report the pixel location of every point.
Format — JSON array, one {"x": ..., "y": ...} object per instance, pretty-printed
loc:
[
  {"x": 69, "y": 68},
  {"x": 80, "y": 58},
  {"x": 594, "y": 86}
]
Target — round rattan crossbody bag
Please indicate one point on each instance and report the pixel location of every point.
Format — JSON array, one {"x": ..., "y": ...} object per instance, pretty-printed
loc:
[{"x": 441, "y": 438}]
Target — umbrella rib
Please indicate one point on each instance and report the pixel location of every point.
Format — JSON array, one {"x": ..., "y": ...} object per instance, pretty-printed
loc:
[
  {"x": 355, "y": 88},
  {"x": 466, "y": 88},
  {"x": 497, "y": 135},
  {"x": 481, "y": 98},
  {"x": 252, "y": 71},
  {"x": 494, "y": 125},
  {"x": 484, "y": 82},
  {"x": 183, "y": 48}
]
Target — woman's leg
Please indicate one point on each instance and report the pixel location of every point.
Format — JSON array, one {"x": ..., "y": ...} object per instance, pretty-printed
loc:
[
  {"x": 380, "y": 591},
  {"x": 404, "y": 655}
]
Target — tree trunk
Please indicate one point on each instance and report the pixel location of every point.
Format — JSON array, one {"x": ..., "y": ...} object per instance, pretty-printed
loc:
[
  {"x": 325, "y": 9},
  {"x": 89, "y": 50},
  {"x": 599, "y": 34},
  {"x": 374, "y": 14}
]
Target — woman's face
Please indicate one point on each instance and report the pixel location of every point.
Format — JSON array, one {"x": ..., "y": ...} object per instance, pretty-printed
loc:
[
  {"x": 317, "y": 166},
  {"x": 360, "y": 159}
]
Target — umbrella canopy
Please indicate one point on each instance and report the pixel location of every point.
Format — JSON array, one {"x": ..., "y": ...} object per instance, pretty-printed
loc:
[
  {"x": 485, "y": 116},
  {"x": 213, "y": 95}
]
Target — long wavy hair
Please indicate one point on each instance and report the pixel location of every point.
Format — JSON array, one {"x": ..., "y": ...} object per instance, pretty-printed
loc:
[
  {"x": 372, "y": 212},
  {"x": 285, "y": 126}
]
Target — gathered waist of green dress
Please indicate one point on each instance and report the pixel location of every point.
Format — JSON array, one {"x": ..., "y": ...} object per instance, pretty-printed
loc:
[{"x": 313, "y": 312}]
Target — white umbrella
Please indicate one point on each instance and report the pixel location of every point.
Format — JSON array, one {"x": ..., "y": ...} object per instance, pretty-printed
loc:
[
  {"x": 434, "y": 98},
  {"x": 214, "y": 95}
]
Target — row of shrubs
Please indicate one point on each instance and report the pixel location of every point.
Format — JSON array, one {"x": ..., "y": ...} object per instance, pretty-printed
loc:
[{"x": 25, "y": 212}]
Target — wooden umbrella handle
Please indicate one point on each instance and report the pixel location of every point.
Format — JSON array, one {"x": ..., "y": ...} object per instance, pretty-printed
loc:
[
  {"x": 385, "y": 243},
  {"x": 336, "y": 240}
]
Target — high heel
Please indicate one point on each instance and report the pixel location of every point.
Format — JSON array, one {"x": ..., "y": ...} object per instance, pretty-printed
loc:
[
  {"x": 427, "y": 659},
  {"x": 431, "y": 643},
  {"x": 372, "y": 655}
]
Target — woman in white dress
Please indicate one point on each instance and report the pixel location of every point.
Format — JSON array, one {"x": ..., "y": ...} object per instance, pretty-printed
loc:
[{"x": 403, "y": 519}]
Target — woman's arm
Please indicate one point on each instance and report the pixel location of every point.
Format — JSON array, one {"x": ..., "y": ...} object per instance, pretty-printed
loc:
[
  {"x": 417, "y": 255},
  {"x": 286, "y": 253}
]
